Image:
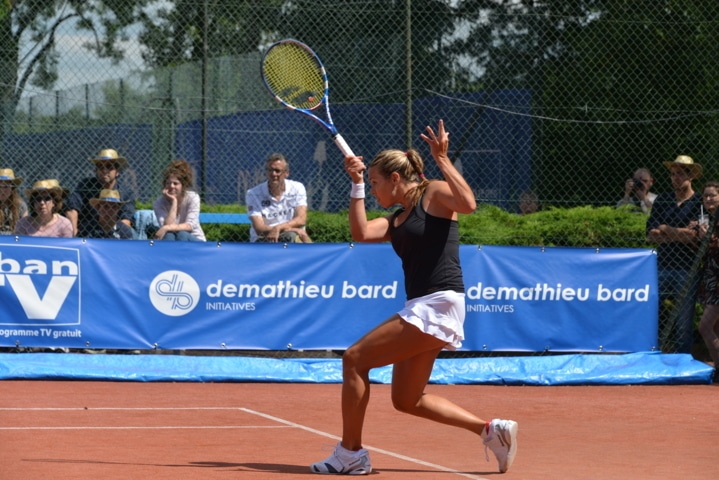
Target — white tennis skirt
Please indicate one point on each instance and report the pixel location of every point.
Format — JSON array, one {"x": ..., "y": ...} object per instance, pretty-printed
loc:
[{"x": 440, "y": 314}]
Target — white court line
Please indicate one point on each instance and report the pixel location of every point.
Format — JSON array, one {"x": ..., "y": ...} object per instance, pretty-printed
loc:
[
  {"x": 374, "y": 449},
  {"x": 51, "y": 409},
  {"x": 166, "y": 427},
  {"x": 287, "y": 423}
]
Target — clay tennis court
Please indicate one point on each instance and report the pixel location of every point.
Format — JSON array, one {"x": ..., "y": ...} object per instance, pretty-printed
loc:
[{"x": 127, "y": 430}]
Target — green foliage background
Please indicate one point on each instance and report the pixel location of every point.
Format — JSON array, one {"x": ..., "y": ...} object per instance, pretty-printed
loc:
[{"x": 587, "y": 226}]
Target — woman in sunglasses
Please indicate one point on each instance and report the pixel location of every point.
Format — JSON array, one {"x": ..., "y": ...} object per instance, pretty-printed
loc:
[{"x": 45, "y": 200}]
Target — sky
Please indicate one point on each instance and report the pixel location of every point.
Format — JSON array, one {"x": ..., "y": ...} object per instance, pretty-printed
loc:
[{"x": 78, "y": 66}]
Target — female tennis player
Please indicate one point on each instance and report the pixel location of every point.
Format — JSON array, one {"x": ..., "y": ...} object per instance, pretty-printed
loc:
[{"x": 424, "y": 234}]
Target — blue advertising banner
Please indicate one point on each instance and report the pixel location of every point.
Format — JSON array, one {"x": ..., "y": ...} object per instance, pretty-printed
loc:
[
  {"x": 174, "y": 295},
  {"x": 560, "y": 299}
]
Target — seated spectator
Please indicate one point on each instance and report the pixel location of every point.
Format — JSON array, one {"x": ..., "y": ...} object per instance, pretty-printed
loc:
[
  {"x": 108, "y": 167},
  {"x": 108, "y": 206},
  {"x": 278, "y": 207},
  {"x": 528, "y": 202},
  {"x": 636, "y": 191},
  {"x": 12, "y": 206},
  {"x": 45, "y": 200},
  {"x": 178, "y": 209}
]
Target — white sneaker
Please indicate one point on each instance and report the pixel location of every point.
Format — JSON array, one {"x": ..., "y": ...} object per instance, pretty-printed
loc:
[
  {"x": 344, "y": 462},
  {"x": 502, "y": 440}
]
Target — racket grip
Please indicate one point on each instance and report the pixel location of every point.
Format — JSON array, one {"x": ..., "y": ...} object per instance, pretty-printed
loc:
[{"x": 340, "y": 142}]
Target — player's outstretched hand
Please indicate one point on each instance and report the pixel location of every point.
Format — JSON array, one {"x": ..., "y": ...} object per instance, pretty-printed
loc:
[
  {"x": 355, "y": 167},
  {"x": 438, "y": 142}
]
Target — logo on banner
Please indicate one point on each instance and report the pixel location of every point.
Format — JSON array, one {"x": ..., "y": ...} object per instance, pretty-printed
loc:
[
  {"x": 39, "y": 284},
  {"x": 174, "y": 293}
]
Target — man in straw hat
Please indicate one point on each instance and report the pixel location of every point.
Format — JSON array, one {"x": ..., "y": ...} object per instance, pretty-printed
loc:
[
  {"x": 670, "y": 226},
  {"x": 12, "y": 206},
  {"x": 108, "y": 206},
  {"x": 108, "y": 166}
]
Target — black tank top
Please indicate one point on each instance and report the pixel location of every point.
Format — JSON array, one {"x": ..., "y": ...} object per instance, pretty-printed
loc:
[{"x": 429, "y": 249}]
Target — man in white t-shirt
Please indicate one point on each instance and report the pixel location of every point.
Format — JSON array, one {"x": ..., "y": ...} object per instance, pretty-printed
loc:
[{"x": 278, "y": 207}]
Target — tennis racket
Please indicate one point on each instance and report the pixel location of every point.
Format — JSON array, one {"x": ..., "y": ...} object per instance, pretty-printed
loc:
[{"x": 295, "y": 77}]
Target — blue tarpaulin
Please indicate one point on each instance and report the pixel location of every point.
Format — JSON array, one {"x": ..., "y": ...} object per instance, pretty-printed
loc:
[{"x": 575, "y": 369}]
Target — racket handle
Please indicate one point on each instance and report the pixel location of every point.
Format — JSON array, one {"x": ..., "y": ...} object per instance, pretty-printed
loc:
[{"x": 340, "y": 142}]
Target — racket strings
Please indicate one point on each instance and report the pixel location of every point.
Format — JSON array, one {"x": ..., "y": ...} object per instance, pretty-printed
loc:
[{"x": 294, "y": 75}]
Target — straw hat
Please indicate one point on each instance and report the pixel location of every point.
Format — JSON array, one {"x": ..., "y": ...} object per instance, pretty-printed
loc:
[
  {"x": 50, "y": 184},
  {"x": 7, "y": 175},
  {"x": 107, "y": 196},
  {"x": 688, "y": 163},
  {"x": 108, "y": 155}
]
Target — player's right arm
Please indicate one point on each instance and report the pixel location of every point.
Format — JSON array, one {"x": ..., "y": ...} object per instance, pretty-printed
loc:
[{"x": 361, "y": 229}]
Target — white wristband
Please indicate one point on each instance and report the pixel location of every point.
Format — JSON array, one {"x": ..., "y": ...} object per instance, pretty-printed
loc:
[{"x": 357, "y": 190}]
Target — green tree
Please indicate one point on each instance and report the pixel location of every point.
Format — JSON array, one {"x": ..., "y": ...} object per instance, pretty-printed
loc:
[
  {"x": 181, "y": 31},
  {"x": 364, "y": 45},
  {"x": 31, "y": 26},
  {"x": 366, "y": 60},
  {"x": 640, "y": 70},
  {"x": 616, "y": 84}
]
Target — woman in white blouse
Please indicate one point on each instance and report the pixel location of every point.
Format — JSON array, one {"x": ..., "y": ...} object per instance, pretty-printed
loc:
[{"x": 178, "y": 209}]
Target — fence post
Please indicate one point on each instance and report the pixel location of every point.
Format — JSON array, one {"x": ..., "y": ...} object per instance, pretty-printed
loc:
[{"x": 408, "y": 59}]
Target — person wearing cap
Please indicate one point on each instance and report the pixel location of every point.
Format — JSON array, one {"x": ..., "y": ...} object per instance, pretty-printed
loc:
[
  {"x": 108, "y": 206},
  {"x": 12, "y": 206},
  {"x": 108, "y": 166},
  {"x": 671, "y": 226},
  {"x": 45, "y": 200}
]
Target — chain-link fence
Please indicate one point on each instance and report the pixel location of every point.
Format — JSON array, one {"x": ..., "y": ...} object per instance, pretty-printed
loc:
[{"x": 554, "y": 102}]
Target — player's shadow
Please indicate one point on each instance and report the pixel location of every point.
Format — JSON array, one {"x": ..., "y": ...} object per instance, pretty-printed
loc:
[
  {"x": 304, "y": 470},
  {"x": 256, "y": 467},
  {"x": 278, "y": 468}
]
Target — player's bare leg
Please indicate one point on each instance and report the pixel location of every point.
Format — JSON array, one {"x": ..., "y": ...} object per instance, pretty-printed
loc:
[
  {"x": 391, "y": 342},
  {"x": 409, "y": 380}
]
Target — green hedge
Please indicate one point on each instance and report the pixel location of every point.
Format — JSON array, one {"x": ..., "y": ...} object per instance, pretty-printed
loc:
[
  {"x": 573, "y": 227},
  {"x": 489, "y": 225}
]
